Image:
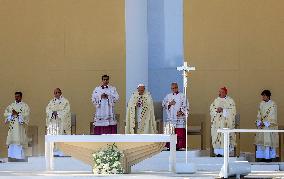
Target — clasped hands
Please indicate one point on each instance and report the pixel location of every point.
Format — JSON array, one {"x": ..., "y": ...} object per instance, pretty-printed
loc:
[
  {"x": 171, "y": 103},
  {"x": 260, "y": 124},
  {"x": 180, "y": 113},
  {"x": 15, "y": 113},
  {"x": 219, "y": 110},
  {"x": 54, "y": 114},
  {"x": 104, "y": 96}
]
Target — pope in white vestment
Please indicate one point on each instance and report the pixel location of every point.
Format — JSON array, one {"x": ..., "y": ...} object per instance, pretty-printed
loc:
[
  {"x": 266, "y": 143},
  {"x": 176, "y": 107},
  {"x": 222, "y": 112},
  {"x": 58, "y": 115},
  {"x": 140, "y": 118},
  {"x": 104, "y": 98},
  {"x": 58, "y": 118},
  {"x": 17, "y": 115}
]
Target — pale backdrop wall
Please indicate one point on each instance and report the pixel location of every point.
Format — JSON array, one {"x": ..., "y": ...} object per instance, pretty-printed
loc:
[
  {"x": 238, "y": 44},
  {"x": 60, "y": 43}
]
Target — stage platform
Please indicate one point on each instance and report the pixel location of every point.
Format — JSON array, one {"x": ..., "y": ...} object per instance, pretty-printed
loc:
[{"x": 154, "y": 167}]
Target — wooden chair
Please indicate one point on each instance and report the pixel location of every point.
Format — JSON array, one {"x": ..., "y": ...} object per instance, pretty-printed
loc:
[
  {"x": 32, "y": 134},
  {"x": 237, "y": 150},
  {"x": 158, "y": 111},
  {"x": 196, "y": 126},
  {"x": 73, "y": 124}
]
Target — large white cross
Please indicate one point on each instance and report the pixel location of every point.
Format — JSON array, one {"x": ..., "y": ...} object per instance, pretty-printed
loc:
[{"x": 186, "y": 69}]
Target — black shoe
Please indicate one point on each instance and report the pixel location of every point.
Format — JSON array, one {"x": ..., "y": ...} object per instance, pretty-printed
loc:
[
  {"x": 268, "y": 160},
  {"x": 17, "y": 160}
]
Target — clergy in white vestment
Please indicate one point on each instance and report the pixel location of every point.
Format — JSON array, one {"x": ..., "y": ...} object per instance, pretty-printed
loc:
[
  {"x": 58, "y": 116},
  {"x": 222, "y": 112},
  {"x": 17, "y": 116},
  {"x": 104, "y": 98},
  {"x": 176, "y": 107},
  {"x": 140, "y": 118},
  {"x": 266, "y": 143}
]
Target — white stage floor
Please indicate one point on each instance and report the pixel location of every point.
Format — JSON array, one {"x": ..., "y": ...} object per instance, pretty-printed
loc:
[{"x": 155, "y": 167}]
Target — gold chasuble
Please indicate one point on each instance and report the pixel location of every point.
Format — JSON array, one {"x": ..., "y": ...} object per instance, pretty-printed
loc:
[
  {"x": 60, "y": 124},
  {"x": 17, "y": 139},
  {"x": 17, "y": 133},
  {"x": 224, "y": 119},
  {"x": 140, "y": 118},
  {"x": 267, "y": 115}
]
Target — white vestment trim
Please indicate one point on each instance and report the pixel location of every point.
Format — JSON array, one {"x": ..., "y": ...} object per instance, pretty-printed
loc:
[
  {"x": 221, "y": 151},
  {"x": 16, "y": 151},
  {"x": 265, "y": 152}
]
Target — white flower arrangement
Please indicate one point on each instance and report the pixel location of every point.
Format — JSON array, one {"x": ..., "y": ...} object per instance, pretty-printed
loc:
[{"x": 108, "y": 161}]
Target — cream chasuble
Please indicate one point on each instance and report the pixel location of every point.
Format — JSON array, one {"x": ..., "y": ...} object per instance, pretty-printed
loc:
[
  {"x": 17, "y": 139},
  {"x": 140, "y": 116},
  {"x": 267, "y": 119},
  {"x": 225, "y": 119},
  {"x": 60, "y": 124}
]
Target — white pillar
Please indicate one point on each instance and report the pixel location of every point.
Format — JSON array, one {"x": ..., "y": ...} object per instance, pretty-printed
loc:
[
  {"x": 136, "y": 44},
  {"x": 154, "y": 44},
  {"x": 165, "y": 30}
]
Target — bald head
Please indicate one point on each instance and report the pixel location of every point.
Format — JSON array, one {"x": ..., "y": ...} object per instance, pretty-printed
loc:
[{"x": 57, "y": 93}]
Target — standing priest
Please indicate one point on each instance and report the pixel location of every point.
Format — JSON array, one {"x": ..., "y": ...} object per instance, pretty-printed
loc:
[
  {"x": 266, "y": 143},
  {"x": 104, "y": 98},
  {"x": 58, "y": 116},
  {"x": 223, "y": 112},
  {"x": 176, "y": 107},
  {"x": 140, "y": 118},
  {"x": 17, "y": 115}
]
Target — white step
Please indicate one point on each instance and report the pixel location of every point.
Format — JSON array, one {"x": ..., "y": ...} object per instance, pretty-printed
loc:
[
  {"x": 263, "y": 166},
  {"x": 38, "y": 164},
  {"x": 160, "y": 162}
]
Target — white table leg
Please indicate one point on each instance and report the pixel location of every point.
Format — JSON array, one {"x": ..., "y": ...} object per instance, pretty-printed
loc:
[
  {"x": 51, "y": 156},
  {"x": 46, "y": 150},
  {"x": 172, "y": 159},
  {"x": 226, "y": 154},
  {"x": 49, "y": 162}
]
